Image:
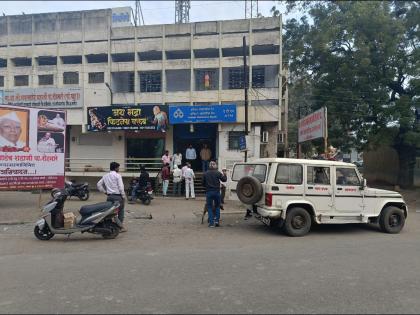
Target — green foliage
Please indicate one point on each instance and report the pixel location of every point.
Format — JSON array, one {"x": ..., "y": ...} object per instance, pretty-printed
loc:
[{"x": 361, "y": 60}]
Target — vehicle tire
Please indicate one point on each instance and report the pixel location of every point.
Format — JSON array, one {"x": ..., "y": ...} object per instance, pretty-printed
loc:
[
  {"x": 298, "y": 222},
  {"x": 249, "y": 190},
  {"x": 85, "y": 196},
  {"x": 115, "y": 230},
  {"x": 45, "y": 234},
  {"x": 146, "y": 201},
  {"x": 392, "y": 220}
]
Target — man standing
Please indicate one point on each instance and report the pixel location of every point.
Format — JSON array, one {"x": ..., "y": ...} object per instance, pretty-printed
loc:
[
  {"x": 211, "y": 181},
  {"x": 112, "y": 185},
  {"x": 205, "y": 155},
  {"x": 177, "y": 159},
  {"x": 166, "y": 173},
  {"x": 190, "y": 155},
  {"x": 177, "y": 174},
  {"x": 189, "y": 182},
  {"x": 166, "y": 158},
  {"x": 47, "y": 144},
  {"x": 10, "y": 131},
  {"x": 223, "y": 188}
]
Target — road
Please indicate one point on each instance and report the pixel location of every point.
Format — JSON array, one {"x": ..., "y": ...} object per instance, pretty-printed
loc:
[{"x": 173, "y": 264}]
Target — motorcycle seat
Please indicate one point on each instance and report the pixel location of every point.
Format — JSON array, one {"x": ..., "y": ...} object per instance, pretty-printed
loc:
[
  {"x": 97, "y": 207},
  {"x": 77, "y": 185}
]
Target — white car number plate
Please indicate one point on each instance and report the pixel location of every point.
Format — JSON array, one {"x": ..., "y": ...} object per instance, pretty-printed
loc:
[{"x": 266, "y": 221}]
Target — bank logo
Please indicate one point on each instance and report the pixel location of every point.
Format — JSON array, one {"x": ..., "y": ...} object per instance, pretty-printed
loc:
[{"x": 178, "y": 113}]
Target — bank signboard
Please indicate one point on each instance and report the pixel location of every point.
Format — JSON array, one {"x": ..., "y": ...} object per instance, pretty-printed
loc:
[
  {"x": 186, "y": 114},
  {"x": 121, "y": 17},
  {"x": 49, "y": 97},
  {"x": 313, "y": 126},
  {"x": 128, "y": 117},
  {"x": 32, "y": 148}
]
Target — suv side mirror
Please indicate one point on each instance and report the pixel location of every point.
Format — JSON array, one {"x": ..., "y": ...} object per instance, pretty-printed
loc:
[{"x": 364, "y": 184}]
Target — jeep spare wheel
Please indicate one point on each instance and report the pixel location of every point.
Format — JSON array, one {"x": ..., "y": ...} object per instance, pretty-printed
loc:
[{"x": 249, "y": 190}]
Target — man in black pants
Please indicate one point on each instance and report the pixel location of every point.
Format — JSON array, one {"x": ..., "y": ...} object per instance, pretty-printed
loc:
[
  {"x": 211, "y": 181},
  {"x": 112, "y": 185}
]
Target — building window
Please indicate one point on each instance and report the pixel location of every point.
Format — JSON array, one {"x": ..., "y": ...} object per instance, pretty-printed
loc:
[
  {"x": 1, "y": 81},
  {"x": 71, "y": 60},
  {"x": 46, "y": 79},
  {"x": 22, "y": 62},
  {"x": 206, "y": 80},
  {"x": 71, "y": 78},
  {"x": 258, "y": 77},
  {"x": 47, "y": 61},
  {"x": 233, "y": 139},
  {"x": 21, "y": 80},
  {"x": 122, "y": 82},
  {"x": 150, "y": 82},
  {"x": 3, "y": 63},
  {"x": 236, "y": 78},
  {"x": 96, "y": 77}
]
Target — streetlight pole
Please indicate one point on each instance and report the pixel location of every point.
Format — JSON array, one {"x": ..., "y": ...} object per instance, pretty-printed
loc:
[{"x": 110, "y": 91}]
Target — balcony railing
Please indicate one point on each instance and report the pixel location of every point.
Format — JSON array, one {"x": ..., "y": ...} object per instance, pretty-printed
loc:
[{"x": 128, "y": 165}]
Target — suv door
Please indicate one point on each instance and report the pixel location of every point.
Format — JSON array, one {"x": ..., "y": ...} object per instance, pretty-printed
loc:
[
  {"x": 318, "y": 188},
  {"x": 348, "y": 196}
]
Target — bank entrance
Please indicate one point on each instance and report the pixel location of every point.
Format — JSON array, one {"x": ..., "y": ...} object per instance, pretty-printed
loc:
[
  {"x": 145, "y": 146},
  {"x": 198, "y": 136}
]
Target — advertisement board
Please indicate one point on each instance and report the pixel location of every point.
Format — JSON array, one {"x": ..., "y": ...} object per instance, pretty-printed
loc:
[
  {"x": 48, "y": 97},
  {"x": 121, "y": 17},
  {"x": 32, "y": 148},
  {"x": 312, "y": 126},
  {"x": 202, "y": 114},
  {"x": 128, "y": 117}
]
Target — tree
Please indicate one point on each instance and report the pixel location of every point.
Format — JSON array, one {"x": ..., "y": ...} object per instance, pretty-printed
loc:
[{"x": 362, "y": 60}]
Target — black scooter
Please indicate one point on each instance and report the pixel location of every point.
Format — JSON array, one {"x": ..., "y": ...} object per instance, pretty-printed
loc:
[
  {"x": 81, "y": 191},
  {"x": 145, "y": 195}
]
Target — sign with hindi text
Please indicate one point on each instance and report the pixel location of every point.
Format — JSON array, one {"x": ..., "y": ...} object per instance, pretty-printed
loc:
[{"x": 313, "y": 126}]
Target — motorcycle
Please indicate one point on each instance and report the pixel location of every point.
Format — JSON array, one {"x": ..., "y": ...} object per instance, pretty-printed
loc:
[
  {"x": 81, "y": 191},
  {"x": 144, "y": 194},
  {"x": 100, "y": 218}
]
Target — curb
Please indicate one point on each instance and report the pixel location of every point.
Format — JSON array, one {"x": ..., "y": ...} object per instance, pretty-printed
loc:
[{"x": 14, "y": 223}]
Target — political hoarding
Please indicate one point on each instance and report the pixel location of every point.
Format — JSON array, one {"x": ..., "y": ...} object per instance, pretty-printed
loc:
[
  {"x": 128, "y": 117},
  {"x": 185, "y": 114},
  {"x": 32, "y": 148},
  {"x": 313, "y": 126},
  {"x": 47, "y": 97}
]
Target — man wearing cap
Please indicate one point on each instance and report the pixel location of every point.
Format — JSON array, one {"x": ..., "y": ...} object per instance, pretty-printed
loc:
[{"x": 10, "y": 131}]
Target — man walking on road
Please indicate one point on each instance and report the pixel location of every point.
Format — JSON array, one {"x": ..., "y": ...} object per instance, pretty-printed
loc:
[
  {"x": 189, "y": 182},
  {"x": 112, "y": 185},
  {"x": 211, "y": 181}
]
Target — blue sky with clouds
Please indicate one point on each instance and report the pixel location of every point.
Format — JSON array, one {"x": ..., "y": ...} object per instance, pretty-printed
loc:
[{"x": 154, "y": 12}]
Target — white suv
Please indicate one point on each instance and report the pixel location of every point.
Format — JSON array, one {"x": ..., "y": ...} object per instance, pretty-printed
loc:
[{"x": 294, "y": 193}]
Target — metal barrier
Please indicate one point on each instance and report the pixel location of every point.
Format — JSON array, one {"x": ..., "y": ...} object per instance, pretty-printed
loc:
[{"x": 129, "y": 165}]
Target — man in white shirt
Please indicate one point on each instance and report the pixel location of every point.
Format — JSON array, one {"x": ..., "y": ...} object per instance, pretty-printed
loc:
[
  {"x": 189, "y": 182},
  {"x": 190, "y": 155},
  {"x": 10, "y": 131},
  {"x": 47, "y": 144},
  {"x": 112, "y": 185},
  {"x": 58, "y": 121},
  {"x": 177, "y": 159},
  {"x": 177, "y": 175}
]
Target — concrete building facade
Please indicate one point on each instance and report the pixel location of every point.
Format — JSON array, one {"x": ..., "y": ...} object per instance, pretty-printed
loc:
[{"x": 190, "y": 64}]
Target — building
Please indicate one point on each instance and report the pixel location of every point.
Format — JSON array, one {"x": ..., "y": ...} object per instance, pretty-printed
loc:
[{"x": 99, "y": 58}]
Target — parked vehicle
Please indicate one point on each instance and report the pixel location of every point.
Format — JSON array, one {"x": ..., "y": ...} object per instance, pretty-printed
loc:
[
  {"x": 81, "y": 191},
  {"x": 294, "y": 193},
  {"x": 100, "y": 218},
  {"x": 145, "y": 195}
]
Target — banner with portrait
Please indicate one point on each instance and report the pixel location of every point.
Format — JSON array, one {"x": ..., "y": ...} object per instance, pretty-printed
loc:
[
  {"x": 128, "y": 117},
  {"x": 32, "y": 148}
]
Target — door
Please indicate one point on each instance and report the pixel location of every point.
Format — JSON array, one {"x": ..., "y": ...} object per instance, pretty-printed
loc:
[
  {"x": 348, "y": 196},
  {"x": 318, "y": 188}
]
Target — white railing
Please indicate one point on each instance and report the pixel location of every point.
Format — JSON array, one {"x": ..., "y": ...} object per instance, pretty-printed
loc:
[{"x": 129, "y": 165}]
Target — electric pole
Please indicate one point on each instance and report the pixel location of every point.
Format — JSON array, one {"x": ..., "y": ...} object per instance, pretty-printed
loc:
[
  {"x": 245, "y": 79},
  {"x": 251, "y": 9}
]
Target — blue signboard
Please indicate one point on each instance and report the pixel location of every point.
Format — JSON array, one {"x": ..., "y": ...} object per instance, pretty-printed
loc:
[
  {"x": 242, "y": 143},
  {"x": 202, "y": 114}
]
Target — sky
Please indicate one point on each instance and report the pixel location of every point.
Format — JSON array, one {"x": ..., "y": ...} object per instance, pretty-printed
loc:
[{"x": 154, "y": 12}]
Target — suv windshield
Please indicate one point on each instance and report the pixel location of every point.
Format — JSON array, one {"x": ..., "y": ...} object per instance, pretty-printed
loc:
[{"x": 256, "y": 170}]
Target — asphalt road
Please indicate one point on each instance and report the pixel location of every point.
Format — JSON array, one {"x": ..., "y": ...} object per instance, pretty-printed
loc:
[{"x": 173, "y": 264}]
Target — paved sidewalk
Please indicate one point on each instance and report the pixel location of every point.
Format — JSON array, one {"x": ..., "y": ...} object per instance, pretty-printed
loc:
[{"x": 22, "y": 207}]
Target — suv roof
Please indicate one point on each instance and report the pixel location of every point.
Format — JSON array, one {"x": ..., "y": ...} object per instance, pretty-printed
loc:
[{"x": 301, "y": 161}]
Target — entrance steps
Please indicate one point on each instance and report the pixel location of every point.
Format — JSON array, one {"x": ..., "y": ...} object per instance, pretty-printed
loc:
[{"x": 199, "y": 189}]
